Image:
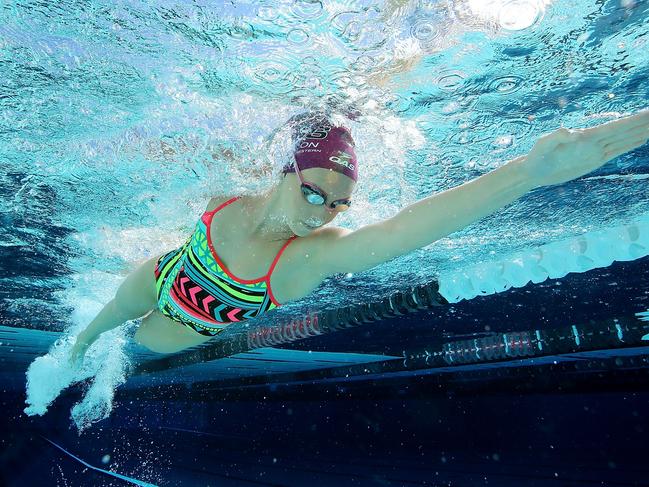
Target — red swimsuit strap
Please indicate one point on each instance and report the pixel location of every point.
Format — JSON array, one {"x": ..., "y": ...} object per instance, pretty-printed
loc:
[
  {"x": 279, "y": 254},
  {"x": 273, "y": 264},
  {"x": 223, "y": 205}
]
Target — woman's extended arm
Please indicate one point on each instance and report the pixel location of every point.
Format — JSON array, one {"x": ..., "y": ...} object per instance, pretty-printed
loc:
[
  {"x": 557, "y": 157},
  {"x": 441, "y": 214}
]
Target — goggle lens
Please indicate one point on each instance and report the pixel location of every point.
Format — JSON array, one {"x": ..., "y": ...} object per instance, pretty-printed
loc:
[
  {"x": 342, "y": 206},
  {"x": 314, "y": 197}
]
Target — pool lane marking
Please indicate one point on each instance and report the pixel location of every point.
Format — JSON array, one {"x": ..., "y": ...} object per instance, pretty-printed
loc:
[{"x": 119, "y": 476}]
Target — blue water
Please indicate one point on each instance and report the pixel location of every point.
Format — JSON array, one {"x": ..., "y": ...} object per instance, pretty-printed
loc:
[{"x": 118, "y": 122}]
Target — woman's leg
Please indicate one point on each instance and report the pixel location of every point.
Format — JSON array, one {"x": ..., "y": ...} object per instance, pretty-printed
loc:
[{"x": 161, "y": 334}]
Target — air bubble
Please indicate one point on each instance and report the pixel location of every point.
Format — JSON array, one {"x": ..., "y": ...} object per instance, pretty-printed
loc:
[
  {"x": 519, "y": 15},
  {"x": 307, "y": 9},
  {"x": 267, "y": 13},
  {"x": 297, "y": 36},
  {"x": 505, "y": 84},
  {"x": 424, "y": 31},
  {"x": 450, "y": 81}
]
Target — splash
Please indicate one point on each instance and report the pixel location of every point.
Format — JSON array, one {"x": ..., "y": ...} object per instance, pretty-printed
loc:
[{"x": 103, "y": 369}]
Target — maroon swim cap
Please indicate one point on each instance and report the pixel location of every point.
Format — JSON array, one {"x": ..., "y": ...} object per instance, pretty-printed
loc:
[{"x": 327, "y": 147}]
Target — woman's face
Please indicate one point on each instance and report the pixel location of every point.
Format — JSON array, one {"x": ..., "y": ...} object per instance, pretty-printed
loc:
[{"x": 304, "y": 217}]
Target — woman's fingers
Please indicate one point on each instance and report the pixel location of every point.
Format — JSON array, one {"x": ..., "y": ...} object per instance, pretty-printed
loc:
[
  {"x": 74, "y": 356},
  {"x": 619, "y": 148},
  {"x": 622, "y": 146},
  {"x": 636, "y": 134},
  {"x": 77, "y": 353},
  {"x": 617, "y": 137},
  {"x": 615, "y": 129}
]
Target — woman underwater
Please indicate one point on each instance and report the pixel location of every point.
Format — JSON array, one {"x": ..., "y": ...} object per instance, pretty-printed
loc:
[{"x": 251, "y": 254}]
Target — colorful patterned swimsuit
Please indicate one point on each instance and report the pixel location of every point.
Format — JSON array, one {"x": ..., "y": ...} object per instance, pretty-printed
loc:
[{"x": 196, "y": 289}]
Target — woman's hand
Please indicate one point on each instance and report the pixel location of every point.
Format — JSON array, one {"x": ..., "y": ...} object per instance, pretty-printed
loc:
[
  {"x": 566, "y": 154},
  {"x": 79, "y": 348}
]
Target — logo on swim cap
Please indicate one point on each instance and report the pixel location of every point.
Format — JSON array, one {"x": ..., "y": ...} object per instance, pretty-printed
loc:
[
  {"x": 324, "y": 145},
  {"x": 308, "y": 145},
  {"x": 343, "y": 160},
  {"x": 318, "y": 132}
]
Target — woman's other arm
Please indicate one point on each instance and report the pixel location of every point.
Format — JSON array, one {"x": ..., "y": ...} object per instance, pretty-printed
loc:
[
  {"x": 557, "y": 157},
  {"x": 421, "y": 223}
]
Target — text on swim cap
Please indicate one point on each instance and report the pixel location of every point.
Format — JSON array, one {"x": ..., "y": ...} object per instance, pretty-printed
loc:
[
  {"x": 307, "y": 145},
  {"x": 318, "y": 132},
  {"x": 342, "y": 161}
]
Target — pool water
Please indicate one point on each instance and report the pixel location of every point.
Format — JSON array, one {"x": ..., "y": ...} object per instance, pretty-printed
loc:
[{"x": 119, "y": 121}]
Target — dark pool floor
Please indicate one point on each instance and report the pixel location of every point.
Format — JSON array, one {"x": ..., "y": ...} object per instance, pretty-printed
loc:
[{"x": 584, "y": 439}]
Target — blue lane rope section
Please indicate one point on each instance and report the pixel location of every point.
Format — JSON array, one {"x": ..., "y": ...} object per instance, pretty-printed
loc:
[
  {"x": 119, "y": 476},
  {"x": 644, "y": 316}
]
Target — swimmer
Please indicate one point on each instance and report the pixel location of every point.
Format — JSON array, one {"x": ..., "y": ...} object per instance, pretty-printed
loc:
[{"x": 251, "y": 254}]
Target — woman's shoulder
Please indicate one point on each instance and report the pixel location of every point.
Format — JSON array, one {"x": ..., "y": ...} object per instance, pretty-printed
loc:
[
  {"x": 322, "y": 239},
  {"x": 328, "y": 233},
  {"x": 215, "y": 201}
]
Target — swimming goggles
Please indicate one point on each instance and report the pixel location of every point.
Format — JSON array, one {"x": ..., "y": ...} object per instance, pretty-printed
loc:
[{"x": 315, "y": 196}]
